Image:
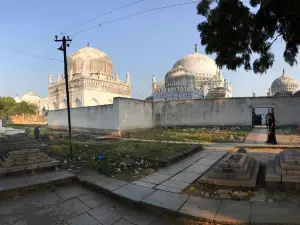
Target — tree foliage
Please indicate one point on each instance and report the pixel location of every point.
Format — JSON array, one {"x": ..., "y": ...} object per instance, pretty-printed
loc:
[
  {"x": 9, "y": 107},
  {"x": 236, "y": 29}
]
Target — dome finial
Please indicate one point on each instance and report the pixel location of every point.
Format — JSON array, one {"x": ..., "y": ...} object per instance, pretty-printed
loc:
[
  {"x": 88, "y": 44},
  {"x": 283, "y": 72},
  {"x": 196, "y": 47}
]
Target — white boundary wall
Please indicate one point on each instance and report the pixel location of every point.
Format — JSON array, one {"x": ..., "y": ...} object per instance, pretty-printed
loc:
[{"x": 125, "y": 114}]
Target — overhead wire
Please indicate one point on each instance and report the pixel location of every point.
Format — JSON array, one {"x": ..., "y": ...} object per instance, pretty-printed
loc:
[
  {"x": 5, "y": 48},
  {"x": 109, "y": 12},
  {"x": 136, "y": 14}
]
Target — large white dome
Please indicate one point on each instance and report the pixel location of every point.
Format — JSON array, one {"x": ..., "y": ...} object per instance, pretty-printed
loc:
[
  {"x": 90, "y": 60},
  {"x": 200, "y": 65},
  {"x": 284, "y": 83}
]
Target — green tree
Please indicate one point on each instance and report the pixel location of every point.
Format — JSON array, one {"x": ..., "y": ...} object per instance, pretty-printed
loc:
[
  {"x": 6, "y": 103},
  {"x": 234, "y": 30},
  {"x": 23, "y": 108}
]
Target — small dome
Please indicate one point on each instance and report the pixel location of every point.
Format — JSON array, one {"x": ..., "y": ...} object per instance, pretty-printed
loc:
[
  {"x": 17, "y": 99},
  {"x": 198, "y": 64},
  {"x": 219, "y": 92},
  {"x": 284, "y": 83},
  {"x": 297, "y": 94},
  {"x": 31, "y": 98},
  {"x": 90, "y": 60},
  {"x": 150, "y": 98},
  {"x": 179, "y": 79}
]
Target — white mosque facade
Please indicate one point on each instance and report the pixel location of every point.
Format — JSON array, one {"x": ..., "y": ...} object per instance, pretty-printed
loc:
[
  {"x": 91, "y": 81},
  {"x": 194, "y": 76}
]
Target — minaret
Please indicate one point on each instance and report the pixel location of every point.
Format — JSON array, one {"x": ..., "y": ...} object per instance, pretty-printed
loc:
[
  {"x": 128, "y": 78},
  {"x": 153, "y": 79},
  {"x": 117, "y": 76},
  {"x": 50, "y": 79},
  {"x": 58, "y": 78},
  {"x": 283, "y": 72}
]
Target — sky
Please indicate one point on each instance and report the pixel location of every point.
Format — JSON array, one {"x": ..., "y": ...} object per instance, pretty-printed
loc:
[{"x": 143, "y": 45}]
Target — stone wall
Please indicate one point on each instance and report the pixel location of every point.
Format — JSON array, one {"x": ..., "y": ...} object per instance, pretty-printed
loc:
[
  {"x": 227, "y": 111},
  {"x": 123, "y": 114},
  {"x": 134, "y": 114},
  {"x": 126, "y": 113},
  {"x": 28, "y": 119}
]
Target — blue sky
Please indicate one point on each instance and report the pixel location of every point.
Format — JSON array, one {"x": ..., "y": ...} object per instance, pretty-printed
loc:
[{"x": 143, "y": 45}]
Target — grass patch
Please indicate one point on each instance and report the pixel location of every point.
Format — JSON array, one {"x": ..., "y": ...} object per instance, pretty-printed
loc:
[
  {"x": 192, "y": 134},
  {"x": 120, "y": 156}
]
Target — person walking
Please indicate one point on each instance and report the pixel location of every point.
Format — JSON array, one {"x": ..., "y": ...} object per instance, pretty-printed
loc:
[{"x": 272, "y": 128}]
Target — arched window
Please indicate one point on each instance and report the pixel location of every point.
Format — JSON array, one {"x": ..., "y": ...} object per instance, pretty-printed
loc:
[{"x": 78, "y": 103}]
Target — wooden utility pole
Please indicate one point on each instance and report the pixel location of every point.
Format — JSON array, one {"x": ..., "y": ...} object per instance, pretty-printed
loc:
[{"x": 63, "y": 48}]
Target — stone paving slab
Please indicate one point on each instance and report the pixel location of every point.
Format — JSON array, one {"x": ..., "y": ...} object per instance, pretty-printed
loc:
[
  {"x": 67, "y": 210},
  {"x": 143, "y": 184},
  {"x": 93, "y": 200},
  {"x": 32, "y": 180},
  {"x": 70, "y": 191},
  {"x": 233, "y": 212},
  {"x": 168, "y": 189},
  {"x": 110, "y": 184},
  {"x": 166, "y": 200},
  {"x": 109, "y": 213},
  {"x": 185, "y": 177},
  {"x": 275, "y": 213},
  {"x": 201, "y": 208},
  {"x": 85, "y": 219},
  {"x": 197, "y": 168},
  {"x": 175, "y": 184},
  {"x": 155, "y": 178},
  {"x": 134, "y": 192}
]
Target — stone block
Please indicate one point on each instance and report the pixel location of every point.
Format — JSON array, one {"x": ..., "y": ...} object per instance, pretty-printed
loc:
[
  {"x": 275, "y": 213},
  {"x": 134, "y": 192},
  {"x": 197, "y": 168},
  {"x": 166, "y": 200},
  {"x": 233, "y": 212},
  {"x": 234, "y": 160},
  {"x": 143, "y": 184},
  {"x": 185, "y": 177},
  {"x": 139, "y": 217},
  {"x": 155, "y": 178},
  {"x": 203, "y": 208}
]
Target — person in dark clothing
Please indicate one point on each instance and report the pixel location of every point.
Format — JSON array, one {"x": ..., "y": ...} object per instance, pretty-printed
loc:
[
  {"x": 272, "y": 134},
  {"x": 260, "y": 119},
  {"x": 267, "y": 119}
]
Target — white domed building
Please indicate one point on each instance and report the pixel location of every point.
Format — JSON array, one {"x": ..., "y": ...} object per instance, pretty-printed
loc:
[
  {"x": 91, "y": 81},
  {"x": 30, "y": 97},
  {"x": 194, "y": 76},
  {"x": 283, "y": 86}
]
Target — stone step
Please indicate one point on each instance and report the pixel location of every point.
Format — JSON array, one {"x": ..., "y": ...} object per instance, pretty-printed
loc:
[
  {"x": 37, "y": 166},
  {"x": 239, "y": 171},
  {"x": 228, "y": 162},
  {"x": 18, "y": 183}
]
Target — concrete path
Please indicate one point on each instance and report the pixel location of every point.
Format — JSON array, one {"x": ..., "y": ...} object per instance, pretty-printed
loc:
[
  {"x": 72, "y": 205},
  {"x": 178, "y": 176},
  {"x": 259, "y": 136}
]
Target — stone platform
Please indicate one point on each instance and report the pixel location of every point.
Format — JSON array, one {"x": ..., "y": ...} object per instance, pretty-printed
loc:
[
  {"x": 234, "y": 170},
  {"x": 283, "y": 170},
  {"x": 20, "y": 153}
]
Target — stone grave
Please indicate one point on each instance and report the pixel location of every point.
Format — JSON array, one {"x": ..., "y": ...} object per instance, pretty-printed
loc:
[
  {"x": 22, "y": 153},
  {"x": 283, "y": 170},
  {"x": 233, "y": 170}
]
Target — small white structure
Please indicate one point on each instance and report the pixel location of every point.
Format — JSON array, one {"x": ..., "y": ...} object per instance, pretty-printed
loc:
[
  {"x": 41, "y": 103},
  {"x": 194, "y": 76}
]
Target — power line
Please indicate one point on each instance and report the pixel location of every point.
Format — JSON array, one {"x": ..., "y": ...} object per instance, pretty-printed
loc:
[
  {"x": 135, "y": 14},
  {"x": 111, "y": 11},
  {"x": 5, "y": 48}
]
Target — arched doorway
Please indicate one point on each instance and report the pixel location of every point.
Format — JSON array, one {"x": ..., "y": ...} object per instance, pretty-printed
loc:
[{"x": 78, "y": 103}]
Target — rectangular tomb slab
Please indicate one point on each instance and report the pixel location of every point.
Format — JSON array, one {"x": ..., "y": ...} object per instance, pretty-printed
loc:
[
  {"x": 243, "y": 174},
  {"x": 290, "y": 156}
]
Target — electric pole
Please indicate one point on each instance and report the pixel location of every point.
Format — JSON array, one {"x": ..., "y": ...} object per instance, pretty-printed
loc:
[{"x": 63, "y": 48}]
